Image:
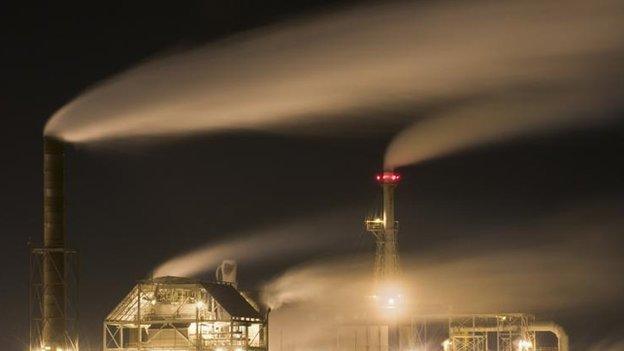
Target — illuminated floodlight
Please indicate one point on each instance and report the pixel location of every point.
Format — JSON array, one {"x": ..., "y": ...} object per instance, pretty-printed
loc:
[
  {"x": 446, "y": 344},
  {"x": 388, "y": 298},
  {"x": 524, "y": 345}
]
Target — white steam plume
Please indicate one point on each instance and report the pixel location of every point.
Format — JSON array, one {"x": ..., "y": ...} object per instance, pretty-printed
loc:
[
  {"x": 280, "y": 242},
  {"x": 576, "y": 267},
  {"x": 310, "y": 301},
  {"x": 382, "y": 58},
  {"x": 497, "y": 119}
]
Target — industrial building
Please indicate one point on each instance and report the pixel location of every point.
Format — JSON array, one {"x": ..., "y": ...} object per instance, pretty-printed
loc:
[
  {"x": 174, "y": 313},
  {"x": 178, "y": 314},
  {"x": 451, "y": 332}
]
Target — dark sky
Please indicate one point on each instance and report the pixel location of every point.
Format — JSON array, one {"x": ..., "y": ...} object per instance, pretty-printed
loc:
[{"x": 132, "y": 206}]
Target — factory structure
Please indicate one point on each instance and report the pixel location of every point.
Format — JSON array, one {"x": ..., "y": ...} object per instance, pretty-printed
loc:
[
  {"x": 180, "y": 314},
  {"x": 53, "y": 298},
  {"x": 174, "y": 313},
  {"x": 421, "y": 331}
]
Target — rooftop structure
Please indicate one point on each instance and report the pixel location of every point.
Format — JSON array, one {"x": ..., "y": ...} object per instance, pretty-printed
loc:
[{"x": 173, "y": 313}]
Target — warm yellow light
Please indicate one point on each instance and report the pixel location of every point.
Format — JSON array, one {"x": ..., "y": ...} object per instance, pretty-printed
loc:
[
  {"x": 446, "y": 344},
  {"x": 524, "y": 345},
  {"x": 199, "y": 304},
  {"x": 388, "y": 298}
]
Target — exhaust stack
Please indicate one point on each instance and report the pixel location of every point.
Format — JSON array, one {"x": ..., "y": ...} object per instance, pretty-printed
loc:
[
  {"x": 385, "y": 230},
  {"x": 53, "y": 333},
  {"x": 53, "y": 278}
]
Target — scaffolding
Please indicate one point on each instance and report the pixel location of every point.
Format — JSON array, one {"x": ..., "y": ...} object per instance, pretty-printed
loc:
[
  {"x": 482, "y": 332},
  {"x": 501, "y": 332},
  {"x": 61, "y": 310},
  {"x": 172, "y": 313}
]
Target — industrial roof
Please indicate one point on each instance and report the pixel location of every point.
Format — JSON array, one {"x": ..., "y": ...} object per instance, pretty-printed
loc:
[
  {"x": 225, "y": 294},
  {"x": 231, "y": 300}
]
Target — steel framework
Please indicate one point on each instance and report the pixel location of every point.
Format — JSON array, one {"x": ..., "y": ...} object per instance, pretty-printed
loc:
[
  {"x": 65, "y": 309},
  {"x": 481, "y": 332},
  {"x": 179, "y": 314}
]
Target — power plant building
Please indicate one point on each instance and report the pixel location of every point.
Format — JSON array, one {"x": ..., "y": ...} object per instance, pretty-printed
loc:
[{"x": 174, "y": 313}]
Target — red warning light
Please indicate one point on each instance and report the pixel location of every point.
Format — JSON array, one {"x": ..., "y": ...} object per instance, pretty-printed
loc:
[{"x": 388, "y": 177}]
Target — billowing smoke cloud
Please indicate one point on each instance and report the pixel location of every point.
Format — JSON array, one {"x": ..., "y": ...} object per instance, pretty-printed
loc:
[
  {"x": 497, "y": 119},
  {"x": 575, "y": 267},
  {"x": 279, "y": 243},
  {"x": 379, "y": 60}
]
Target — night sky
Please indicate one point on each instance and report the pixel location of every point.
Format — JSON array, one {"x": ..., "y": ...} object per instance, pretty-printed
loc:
[{"x": 133, "y": 204}]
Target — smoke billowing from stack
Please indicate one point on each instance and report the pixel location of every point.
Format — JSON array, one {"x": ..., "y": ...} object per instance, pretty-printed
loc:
[
  {"x": 395, "y": 58},
  {"x": 53, "y": 264}
]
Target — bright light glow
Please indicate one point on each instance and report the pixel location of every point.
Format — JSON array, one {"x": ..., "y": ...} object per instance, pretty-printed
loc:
[
  {"x": 524, "y": 345},
  {"x": 388, "y": 298},
  {"x": 388, "y": 177},
  {"x": 220, "y": 349},
  {"x": 200, "y": 304},
  {"x": 446, "y": 344},
  {"x": 239, "y": 349}
]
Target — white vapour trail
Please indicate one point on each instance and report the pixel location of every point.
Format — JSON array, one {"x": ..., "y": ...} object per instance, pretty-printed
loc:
[
  {"x": 382, "y": 58},
  {"x": 577, "y": 266},
  {"x": 281, "y": 242},
  {"x": 497, "y": 119}
]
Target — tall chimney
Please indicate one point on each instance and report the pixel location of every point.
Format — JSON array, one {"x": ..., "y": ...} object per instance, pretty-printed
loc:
[
  {"x": 388, "y": 295},
  {"x": 54, "y": 327},
  {"x": 388, "y": 182},
  {"x": 385, "y": 229}
]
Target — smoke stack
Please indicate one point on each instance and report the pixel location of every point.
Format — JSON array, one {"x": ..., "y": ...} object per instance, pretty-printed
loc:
[
  {"x": 388, "y": 182},
  {"x": 385, "y": 229},
  {"x": 53, "y": 266}
]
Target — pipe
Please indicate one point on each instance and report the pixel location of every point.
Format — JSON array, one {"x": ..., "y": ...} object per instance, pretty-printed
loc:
[
  {"x": 54, "y": 328},
  {"x": 552, "y": 327}
]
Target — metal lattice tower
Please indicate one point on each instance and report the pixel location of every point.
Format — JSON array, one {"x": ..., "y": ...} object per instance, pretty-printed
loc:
[{"x": 384, "y": 230}]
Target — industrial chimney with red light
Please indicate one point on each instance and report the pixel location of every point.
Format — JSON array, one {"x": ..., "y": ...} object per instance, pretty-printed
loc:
[{"x": 385, "y": 229}]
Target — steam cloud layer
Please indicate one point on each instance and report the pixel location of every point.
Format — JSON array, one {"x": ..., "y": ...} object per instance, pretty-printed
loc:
[
  {"x": 281, "y": 242},
  {"x": 484, "y": 71},
  {"x": 476, "y": 59},
  {"x": 576, "y": 268}
]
